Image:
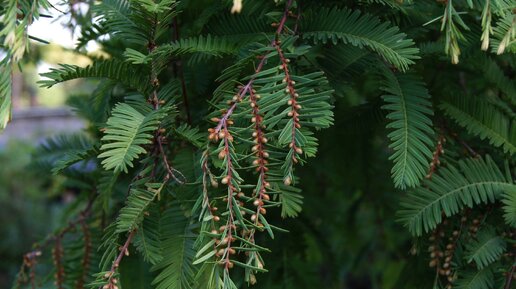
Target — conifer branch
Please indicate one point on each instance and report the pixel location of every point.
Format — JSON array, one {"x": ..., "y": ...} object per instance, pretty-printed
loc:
[
  {"x": 449, "y": 23},
  {"x": 260, "y": 162},
  {"x": 57, "y": 255},
  {"x": 244, "y": 90},
  {"x": 229, "y": 180},
  {"x": 260, "y": 192},
  {"x": 295, "y": 150},
  {"x": 154, "y": 100},
  {"x": 207, "y": 175},
  {"x": 112, "y": 281},
  {"x": 309, "y": 63},
  {"x": 86, "y": 258}
]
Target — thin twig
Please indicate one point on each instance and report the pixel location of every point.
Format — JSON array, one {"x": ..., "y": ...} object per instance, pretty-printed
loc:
[
  {"x": 86, "y": 257},
  {"x": 170, "y": 170},
  {"x": 459, "y": 140},
  {"x": 58, "y": 262},
  {"x": 246, "y": 88},
  {"x": 124, "y": 251}
]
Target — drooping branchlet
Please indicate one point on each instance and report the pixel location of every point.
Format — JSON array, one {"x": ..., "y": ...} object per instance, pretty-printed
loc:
[
  {"x": 87, "y": 252},
  {"x": 295, "y": 107},
  {"x": 110, "y": 277},
  {"x": 57, "y": 256}
]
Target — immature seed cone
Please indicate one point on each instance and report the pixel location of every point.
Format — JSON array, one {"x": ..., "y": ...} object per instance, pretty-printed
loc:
[{"x": 222, "y": 154}]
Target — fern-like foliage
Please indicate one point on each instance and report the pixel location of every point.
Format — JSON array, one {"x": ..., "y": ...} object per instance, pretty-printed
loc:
[
  {"x": 80, "y": 260},
  {"x": 196, "y": 208},
  {"x": 201, "y": 45},
  {"x": 509, "y": 200},
  {"x": 191, "y": 134},
  {"x": 212, "y": 45},
  {"x": 106, "y": 185},
  {"x": 176, "y": 270},
  {"x": 244, "y": 28},
  {"x": 474, "y": 182},
  {"x": 89, "y": 33},
  {"x": 59, "y": 152},
  {"x": 69, "y": 159},
  {"x": 138, "y": 202},
  {"x": 118, "y": 16},
  {"x": 495, "y": 74},
  {"x": 486, "y": 249},
  {"x": 14, "y": 22},
  {"x": 109, "y": 246},
  {"x": 389, "y": 3},
  {"x": 410, "y": 109},
  {"x": 148, "y": 237},
  {"x": 276, "y": 114},
  {"x": 505, "y": 34},
  {"x": 483, "y": 119},
  {"x": 343, "y": 62},
  {"x": 5, "y": 93},
  {"x": 291, "y": 203},
  {"x": 126, "y": 133},
  {"x": 362, "y": 30},
  {"x": 122, "y": 72},
  {"x": 482, "y": 279},
  {"x": 134, "y": 21}
]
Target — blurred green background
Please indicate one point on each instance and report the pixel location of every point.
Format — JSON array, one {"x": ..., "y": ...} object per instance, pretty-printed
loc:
[{"x": 32, "y": 202}]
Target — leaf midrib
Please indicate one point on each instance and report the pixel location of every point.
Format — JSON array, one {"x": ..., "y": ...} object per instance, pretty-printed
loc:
[
  {"x": 457, "y": 190},
  {"x": 481, "y": 248},
  {"x": 488, "y": 130}
]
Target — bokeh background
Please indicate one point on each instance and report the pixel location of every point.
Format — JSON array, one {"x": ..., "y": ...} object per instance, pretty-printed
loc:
[{"x": 32, "y": 203}]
